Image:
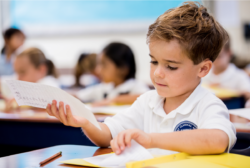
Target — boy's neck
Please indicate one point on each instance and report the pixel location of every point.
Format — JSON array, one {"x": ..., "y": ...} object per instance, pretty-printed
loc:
[{"x": 173, "y": 103}]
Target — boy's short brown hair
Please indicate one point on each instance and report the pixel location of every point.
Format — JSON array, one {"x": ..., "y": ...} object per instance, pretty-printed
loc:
[{"x": 199, "y": 34}]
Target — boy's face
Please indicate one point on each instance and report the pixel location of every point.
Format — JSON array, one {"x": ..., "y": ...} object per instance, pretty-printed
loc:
[{"x": 172, "y": 72}]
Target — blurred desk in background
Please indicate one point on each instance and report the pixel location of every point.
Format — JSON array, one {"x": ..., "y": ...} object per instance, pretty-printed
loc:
[
  {"x": 231, "y": 98},
  {"x": 28, "y": 130},
  {"x": 241, "y": 119}
]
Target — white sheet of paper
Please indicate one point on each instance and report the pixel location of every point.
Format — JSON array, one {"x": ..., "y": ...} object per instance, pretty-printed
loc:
[
  {"x": 39, "y": 95},
  {"x": 134, "y": 153},
  {"x": 244, "y": 112}
]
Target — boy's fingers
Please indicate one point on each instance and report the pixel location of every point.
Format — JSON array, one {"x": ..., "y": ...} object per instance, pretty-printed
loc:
[
  {"x": 48, "y": 110},
  {"x": 53, "y": 107},
  {"x": 54, "y": 110},
  {"x": 115, "y": 147},
  {"x": 120, "y": 141},
  {"x": 62, "y": 113},
  {"x": 69, "y": 115},
  {"x": 127, "y": 139},
  {"x": 112, "y": 144}
]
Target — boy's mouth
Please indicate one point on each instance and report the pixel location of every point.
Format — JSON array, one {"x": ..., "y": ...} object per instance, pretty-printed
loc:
[{"x": 159, "y": 84}]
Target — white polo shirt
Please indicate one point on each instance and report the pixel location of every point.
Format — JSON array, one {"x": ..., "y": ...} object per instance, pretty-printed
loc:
[
  {"x": 108, "y": 90},
  {"x": 201, "y": 110},
  {"x": 232, "y": 78}
]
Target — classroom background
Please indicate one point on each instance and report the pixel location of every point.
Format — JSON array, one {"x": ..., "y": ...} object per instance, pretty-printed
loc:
[
  {"x": 65, "y": 29},
  {"x": 68, "y": 31}
]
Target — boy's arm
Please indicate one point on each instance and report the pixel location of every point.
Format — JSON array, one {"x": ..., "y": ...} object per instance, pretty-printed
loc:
[
  {"x": 201, "y": 141},
  {"x": 99, "y": 137}
]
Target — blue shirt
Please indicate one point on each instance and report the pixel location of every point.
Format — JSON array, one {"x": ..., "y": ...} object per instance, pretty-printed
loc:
[{"x": 6, "y": 66}]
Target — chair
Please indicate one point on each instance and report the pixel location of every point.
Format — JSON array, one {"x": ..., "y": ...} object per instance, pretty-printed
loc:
[{"x": 242, "y": 145}]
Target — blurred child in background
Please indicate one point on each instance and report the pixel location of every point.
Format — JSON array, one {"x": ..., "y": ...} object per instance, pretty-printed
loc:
[
  {"x": 226, "y": 75},
  {"x": 85, "y": 74},
  {"x": 32, "y": 66},
  {"x": 13, "y": 39},
  {"x": 116, "y": 69}
]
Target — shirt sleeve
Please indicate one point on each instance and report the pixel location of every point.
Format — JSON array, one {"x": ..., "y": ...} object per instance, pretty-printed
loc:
[
  {"x": 215, "y": 115},
  {"x": 132, "y": 118}
]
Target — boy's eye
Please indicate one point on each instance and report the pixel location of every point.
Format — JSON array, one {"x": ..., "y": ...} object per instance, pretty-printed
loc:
[
  {"x": 172, "y": 68},
  {"x": 154, "y": 62}
]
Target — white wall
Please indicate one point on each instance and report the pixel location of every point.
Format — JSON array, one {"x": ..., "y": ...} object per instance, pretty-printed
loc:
[
  {"x": 232, "y": 15},
  {"x": 64, "y": 51}
]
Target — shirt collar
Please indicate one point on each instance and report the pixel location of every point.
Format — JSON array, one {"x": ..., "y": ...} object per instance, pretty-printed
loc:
[
  {"x": 188, "y": 105},
  {"x": 156, "y": 103}
]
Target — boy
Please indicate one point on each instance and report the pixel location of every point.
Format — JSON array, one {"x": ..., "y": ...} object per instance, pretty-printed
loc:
[
  {"x": 226, "y": 75},
  {"x": 183, "y": 42}
]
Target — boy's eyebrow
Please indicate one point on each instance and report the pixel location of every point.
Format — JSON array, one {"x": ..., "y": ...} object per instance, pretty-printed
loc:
[{"x": 171, "y": 61}]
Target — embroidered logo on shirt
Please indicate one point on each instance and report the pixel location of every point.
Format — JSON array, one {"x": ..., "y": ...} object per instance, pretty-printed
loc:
[{"x": 185, "y": 125}]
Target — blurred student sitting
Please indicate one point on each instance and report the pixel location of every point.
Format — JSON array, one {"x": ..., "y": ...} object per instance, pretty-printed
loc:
[
  {"x": 226, "y": 75},
  {"x": 85, "y": 74},
  {"x": 32, "y": 66},
  {"x": 13, "y": 39},
  {"x": 116, "y": 69}
]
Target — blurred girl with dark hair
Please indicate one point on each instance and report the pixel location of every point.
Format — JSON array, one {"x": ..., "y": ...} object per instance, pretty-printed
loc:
[
  {"x": 32, "y": 66},
  {"x": 13, "y": 39},
  {"x": 85, "y": 74},
  {"x": 116, "y": 69}
]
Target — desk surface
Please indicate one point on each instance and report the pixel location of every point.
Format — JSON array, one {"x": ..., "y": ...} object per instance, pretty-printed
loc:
[{"x": 33, "y": 158}]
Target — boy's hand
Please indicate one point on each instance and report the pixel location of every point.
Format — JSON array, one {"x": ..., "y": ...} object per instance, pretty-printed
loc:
[
  {"x": 124, "y": 138},
  {"x": 66, "y": 118}
]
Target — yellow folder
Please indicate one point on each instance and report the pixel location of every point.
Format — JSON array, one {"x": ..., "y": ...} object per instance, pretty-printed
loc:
[
  {"x": 79, "y": 162},
  {"x": 182, "y": 160}
]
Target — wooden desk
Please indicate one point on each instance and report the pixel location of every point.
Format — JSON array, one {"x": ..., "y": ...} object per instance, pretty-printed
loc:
[
  {"x": 25, "y": 131},
  {"x": 33, "y": 158}
]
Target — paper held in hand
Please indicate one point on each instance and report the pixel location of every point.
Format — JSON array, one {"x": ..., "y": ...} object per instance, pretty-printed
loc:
[{"x": 39, "y": 95}]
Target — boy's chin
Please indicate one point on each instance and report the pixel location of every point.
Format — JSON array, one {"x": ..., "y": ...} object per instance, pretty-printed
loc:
[{"x": 164, "y": 93}]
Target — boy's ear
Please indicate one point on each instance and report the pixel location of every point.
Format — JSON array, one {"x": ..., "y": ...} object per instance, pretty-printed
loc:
[{"x": 205, "y": 67}]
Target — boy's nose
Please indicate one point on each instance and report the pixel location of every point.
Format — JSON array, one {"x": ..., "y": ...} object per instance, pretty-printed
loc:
[{"x": 159, "y": 72}]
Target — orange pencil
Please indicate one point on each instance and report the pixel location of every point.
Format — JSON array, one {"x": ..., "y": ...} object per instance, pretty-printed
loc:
[{"x": 50, "y": 158}]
